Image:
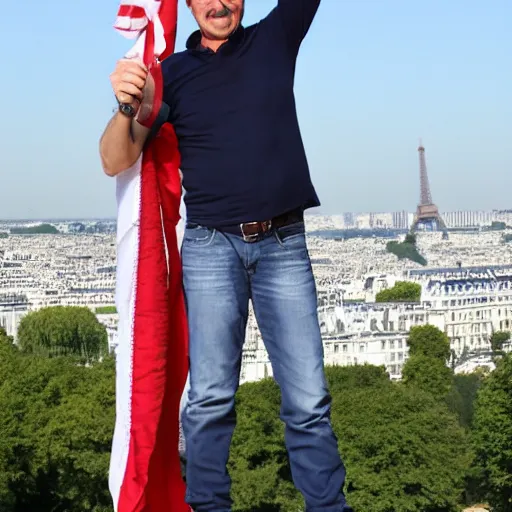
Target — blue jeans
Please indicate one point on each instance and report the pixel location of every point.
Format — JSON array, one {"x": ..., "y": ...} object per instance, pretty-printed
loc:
[{"x": 221, "y": 273}]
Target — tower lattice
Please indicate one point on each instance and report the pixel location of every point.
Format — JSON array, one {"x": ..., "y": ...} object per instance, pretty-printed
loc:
[{"x": 427, "y": 215}]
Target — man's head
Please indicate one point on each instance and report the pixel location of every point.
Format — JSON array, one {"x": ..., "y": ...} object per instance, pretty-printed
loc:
[{"x": 217, "y": 19}]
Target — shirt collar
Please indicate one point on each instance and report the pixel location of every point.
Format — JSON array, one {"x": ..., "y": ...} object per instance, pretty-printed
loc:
[{"x": 194, "y": 41}]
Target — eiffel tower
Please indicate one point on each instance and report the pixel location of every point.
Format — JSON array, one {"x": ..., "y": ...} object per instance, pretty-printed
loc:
[{"x": 427, "y": 216}]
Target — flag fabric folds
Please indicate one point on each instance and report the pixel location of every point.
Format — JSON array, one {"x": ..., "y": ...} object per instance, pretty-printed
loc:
[{"x": 151, "y": 354}]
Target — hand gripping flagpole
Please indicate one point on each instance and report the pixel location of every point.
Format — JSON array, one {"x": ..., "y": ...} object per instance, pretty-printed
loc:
[{"x": 151, "y": 354}]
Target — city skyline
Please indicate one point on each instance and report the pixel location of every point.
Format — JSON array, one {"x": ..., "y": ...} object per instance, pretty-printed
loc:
[{"x": 371, "y": 80}]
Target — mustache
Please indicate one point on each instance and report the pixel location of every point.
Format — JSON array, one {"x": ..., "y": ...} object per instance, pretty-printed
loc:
[{"x": 225, "y": 11}]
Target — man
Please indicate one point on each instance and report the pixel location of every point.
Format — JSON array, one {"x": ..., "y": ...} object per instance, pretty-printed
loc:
[{"x": 247, "y": 185}]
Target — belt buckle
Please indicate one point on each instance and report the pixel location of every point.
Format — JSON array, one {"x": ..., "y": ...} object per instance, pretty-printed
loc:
[{"x": 253, "y": 237}]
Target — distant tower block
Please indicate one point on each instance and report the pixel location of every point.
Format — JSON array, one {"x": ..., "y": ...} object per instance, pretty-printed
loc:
[{"x": 427, "y": 216}]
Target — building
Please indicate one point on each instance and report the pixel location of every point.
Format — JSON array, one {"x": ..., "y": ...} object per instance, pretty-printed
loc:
[{"x": 13, "y": 307}]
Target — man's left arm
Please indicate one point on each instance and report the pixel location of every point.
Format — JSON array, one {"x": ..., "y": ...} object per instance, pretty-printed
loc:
[{"x": 296, "y": 17}]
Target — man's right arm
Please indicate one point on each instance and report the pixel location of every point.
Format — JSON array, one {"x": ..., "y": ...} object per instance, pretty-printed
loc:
[
  {"x": 296, "y": 17},
  {"x": 123, "y": 139}
]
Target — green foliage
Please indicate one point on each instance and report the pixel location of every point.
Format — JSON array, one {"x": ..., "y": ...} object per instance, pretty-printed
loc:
[
  {"x": 63, "y": 330},
  {"x": 410, "y": 238},
  {"x": 428, "y": 340},
  {"x": 497, "y": 226},
  {"x": 404, "y": 451},
  {"x": 406, "y": 250},
  {"x": 55, "y": 434},
  {"x": 492, "y": 436},
  {"x": 497, "y": 340},
  {"x": 403, "y": 291},
  {"x": 258, "y": 459},
  {"x": 3, "y": 234},
  {"x": 462, "y": 396},
  {"x": 40, "y": 229},
  {"x": 429, "y": 374},
  {"x": 106, "y": 310},
  {"x": 341, "y": 378},
  {"x": 429, "y": 351}
]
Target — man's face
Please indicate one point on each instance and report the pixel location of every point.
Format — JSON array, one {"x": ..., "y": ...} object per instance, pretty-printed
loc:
[{"x": 217, "y": 19}]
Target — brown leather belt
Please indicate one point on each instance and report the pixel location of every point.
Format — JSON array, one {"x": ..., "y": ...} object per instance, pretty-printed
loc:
[{"x": 252, "y": 231}]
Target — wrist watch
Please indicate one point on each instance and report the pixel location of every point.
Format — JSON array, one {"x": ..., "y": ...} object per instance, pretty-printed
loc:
[{"x": 126, "y": 109}]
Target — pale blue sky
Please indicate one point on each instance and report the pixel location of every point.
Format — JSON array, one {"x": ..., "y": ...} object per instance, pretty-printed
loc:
[{"x": 373, "y": 76}]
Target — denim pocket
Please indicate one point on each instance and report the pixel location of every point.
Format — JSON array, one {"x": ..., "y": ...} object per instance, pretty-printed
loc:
[
  {"x": 292, "y": 234},
  {"x": 199, "y": 236}
]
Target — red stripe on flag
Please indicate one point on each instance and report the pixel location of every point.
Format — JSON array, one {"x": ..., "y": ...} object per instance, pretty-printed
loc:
[
  {"x": 131, "y": 11},
  {"x": 149, "y": 357},
  {"x": 169, "y": 17}
]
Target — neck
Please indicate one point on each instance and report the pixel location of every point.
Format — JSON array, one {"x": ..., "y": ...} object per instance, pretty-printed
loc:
[{"x": 213, "y": 44}]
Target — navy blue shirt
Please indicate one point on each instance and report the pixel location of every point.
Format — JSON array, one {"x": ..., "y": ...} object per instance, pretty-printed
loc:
[{"x": 242, "y": 155}]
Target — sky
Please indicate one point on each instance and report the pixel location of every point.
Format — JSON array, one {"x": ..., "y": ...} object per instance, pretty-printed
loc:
[{"x": 373, "y": 77}]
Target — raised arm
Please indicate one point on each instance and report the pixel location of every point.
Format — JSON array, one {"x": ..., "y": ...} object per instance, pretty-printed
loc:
[{"x": 296, "y": 17}]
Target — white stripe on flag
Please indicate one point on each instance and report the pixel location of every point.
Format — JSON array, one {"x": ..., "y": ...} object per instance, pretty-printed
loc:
[{"x": 128, "y": 216}]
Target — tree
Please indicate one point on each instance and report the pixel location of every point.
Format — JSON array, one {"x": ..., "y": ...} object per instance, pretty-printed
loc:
[
  {"x": 497, "y": 340},
  {"x": 410, "y": 238},
  {"x": 427, "y": 340},
  {"x": 258, "y": 458},
  {"x": 428, "y": 374},
  {"x": 405, "y": 250},
  {"x": 403, "y": 291},
  {"x": 429, "y": 351},
  {"x": 492, "y": 435},
  {"x": 404, "y": 451},
  {"x": 56, "y": 431},
  {"x": 40, "y": 229},
  {"x": 461, "y": 400},
  {"x": 4, "y": 337},
  {"x": 63, "y": 330},
  {"x": 341, "y": 379}
]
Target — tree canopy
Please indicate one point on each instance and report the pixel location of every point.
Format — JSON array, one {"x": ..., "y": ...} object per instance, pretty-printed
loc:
[
  {"x": 39, "y": 229},
  {"x": 405, "y": 452},
  {"x": 497, "y": 340},
  {"x": 56, "y": 430},
  {"x": 63, "y": 330},
  {"x": 407, "y": 446},
  {"x": 402, "y": 291},
  {"x": 429, "y": 341},
  {"x": 492, "y": 435},
  {"x": 406, "y": 250},
  {"x": 426, "y": 369}
]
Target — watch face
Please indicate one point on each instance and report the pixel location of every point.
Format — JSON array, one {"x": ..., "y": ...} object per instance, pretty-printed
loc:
[{"x": 126, "y": 109}]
